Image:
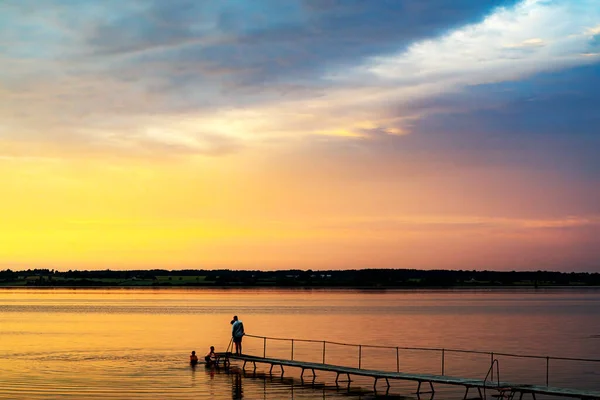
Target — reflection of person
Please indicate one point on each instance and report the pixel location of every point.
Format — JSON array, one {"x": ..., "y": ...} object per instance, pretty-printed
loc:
[
  {"x": 237, "y": 332},
  {"x": 211, "y": 356},
  {"x": 237, "y": 392},
  {"x": 193, "y": 358}
]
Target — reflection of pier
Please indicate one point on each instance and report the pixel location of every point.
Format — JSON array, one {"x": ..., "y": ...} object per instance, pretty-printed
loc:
[{"x": 486, "y": 386}]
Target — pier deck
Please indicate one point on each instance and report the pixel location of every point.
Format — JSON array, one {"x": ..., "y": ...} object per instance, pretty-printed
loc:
[{"x": 501, "y": 389}]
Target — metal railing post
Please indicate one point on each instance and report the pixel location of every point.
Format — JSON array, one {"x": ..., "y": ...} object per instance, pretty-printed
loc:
[
  {"x": 443, "y": 361},
  {"x": 359, "y": 355},
  {"x": 292, "y": 349},
  {"x": 492, "y": 364},
  {"x": 498, "y": 372},
  {"x": 323, "y": 352},
  {"x": 547, "y": 370},
  {"x": 265, "y": 347},
  {"x": 397, "y": 360}
]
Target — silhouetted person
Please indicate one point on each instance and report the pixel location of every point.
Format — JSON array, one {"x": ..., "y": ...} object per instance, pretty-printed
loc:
[
  {"x": 211, "y": 357},
  {"x": 193, "y": 358},
  {"x": 237, "y": 332}
]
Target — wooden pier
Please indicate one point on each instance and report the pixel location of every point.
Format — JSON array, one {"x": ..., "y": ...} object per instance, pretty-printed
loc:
[{"x": 484, "y": 388}]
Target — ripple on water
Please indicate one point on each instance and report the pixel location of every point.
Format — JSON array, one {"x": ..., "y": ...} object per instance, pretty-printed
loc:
[{"x": 166, "y": 378}]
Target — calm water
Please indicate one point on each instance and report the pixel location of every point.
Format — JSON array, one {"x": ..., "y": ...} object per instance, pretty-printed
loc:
[{"x": 135, "y": 343}]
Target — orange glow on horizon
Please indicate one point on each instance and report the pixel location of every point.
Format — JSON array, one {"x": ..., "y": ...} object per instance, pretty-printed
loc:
[{"x": 233, "y": 212}]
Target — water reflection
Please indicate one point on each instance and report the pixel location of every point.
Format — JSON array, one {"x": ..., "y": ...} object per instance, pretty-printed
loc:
[
  {"x": 278, "y": 386},
  {"x": 237, "y": 391}
]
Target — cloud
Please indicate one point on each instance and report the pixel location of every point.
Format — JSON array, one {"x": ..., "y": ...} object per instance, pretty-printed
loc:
[
  {"x": 460, "y": 224},
  {"x": 593, "y": 31},
  {"x": 326, "y": 30},
  {"x": 145, "y": 138},
  {"x": 535, "y": 42},
  {"x": 256, "y": 71},
  {"x": 477, "y": 53}
]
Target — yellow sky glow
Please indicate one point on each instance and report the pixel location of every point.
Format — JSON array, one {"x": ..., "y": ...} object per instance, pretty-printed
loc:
[{"x": 233, "y": 212}]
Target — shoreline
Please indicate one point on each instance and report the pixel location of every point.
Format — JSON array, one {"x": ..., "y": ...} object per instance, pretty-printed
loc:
[
  {"x": 331, "y": 288},
  {"x": 366, "y": 279}
]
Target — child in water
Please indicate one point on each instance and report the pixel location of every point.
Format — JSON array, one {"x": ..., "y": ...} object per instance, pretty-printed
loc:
[
  {"x": 193, "y": 358},
  {"x": 211, "y": 356}
]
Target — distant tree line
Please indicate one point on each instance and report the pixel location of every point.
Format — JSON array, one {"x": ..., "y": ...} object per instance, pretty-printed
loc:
[{"x": 295, "y": 277}]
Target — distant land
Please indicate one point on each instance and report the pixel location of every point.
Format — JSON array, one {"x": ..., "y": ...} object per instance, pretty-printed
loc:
[{"x": 365, "y": 278}]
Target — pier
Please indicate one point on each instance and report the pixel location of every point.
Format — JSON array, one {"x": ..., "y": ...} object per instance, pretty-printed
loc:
[{"x": 490, "y": 385}]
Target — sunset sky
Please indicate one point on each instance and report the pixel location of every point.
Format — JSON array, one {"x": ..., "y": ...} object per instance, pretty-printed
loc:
[{"x": 323, "y": 134}]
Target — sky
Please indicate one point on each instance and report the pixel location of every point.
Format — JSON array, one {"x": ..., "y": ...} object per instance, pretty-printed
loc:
[{"x": 321, "y": 134}]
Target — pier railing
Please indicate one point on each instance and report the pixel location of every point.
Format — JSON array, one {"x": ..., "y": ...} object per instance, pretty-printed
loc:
[{"x": 442, "y": 353}]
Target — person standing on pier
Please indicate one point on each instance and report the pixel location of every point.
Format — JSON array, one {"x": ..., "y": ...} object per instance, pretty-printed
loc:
[{"x": 237, "y": 332}]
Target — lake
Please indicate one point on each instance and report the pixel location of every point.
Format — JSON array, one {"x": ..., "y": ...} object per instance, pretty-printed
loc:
[{"x": 135, "y": 343}]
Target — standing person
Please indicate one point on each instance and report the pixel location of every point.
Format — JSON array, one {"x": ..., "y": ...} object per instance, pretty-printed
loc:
[{"x": 237, "y": 332}]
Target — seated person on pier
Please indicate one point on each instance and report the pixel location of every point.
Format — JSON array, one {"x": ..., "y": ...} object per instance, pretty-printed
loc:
[
  {"x": 211, "y": 357},
  {"x": 193, "y": 358}
]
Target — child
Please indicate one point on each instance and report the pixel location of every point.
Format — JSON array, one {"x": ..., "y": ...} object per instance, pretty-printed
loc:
[
  {"x": 211, "y": 356},
  {"x": 193, "y": 358}
]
